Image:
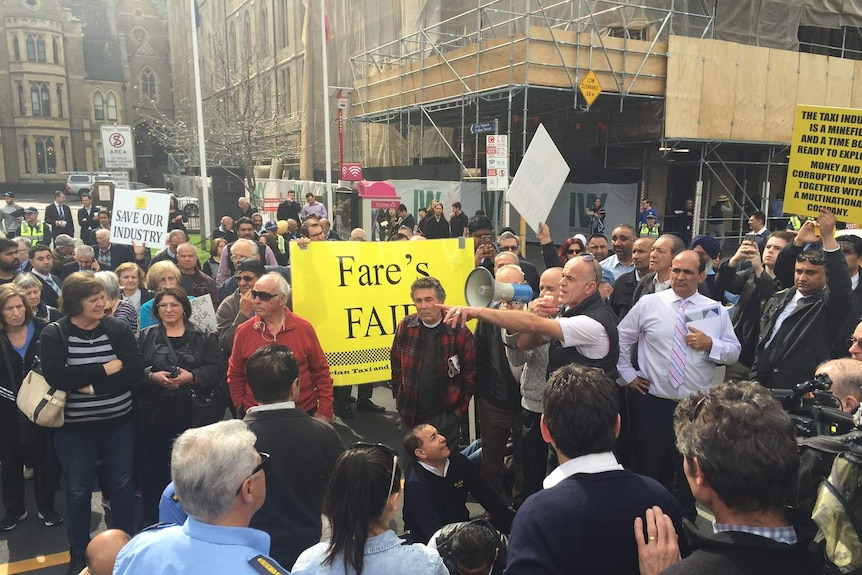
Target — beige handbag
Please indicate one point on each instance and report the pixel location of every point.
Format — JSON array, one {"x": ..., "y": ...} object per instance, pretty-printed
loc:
[{"x": 39, "y": 402}]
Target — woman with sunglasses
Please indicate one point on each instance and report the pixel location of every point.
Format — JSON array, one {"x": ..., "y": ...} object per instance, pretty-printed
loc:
[
  {"x": 554, "y": 257},
  {"x": 361, "y": 500},
  {"x": 185, "y": 369}
]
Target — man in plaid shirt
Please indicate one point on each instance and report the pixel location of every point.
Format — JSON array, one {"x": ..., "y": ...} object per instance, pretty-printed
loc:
[{"x": 433, "y": 365}]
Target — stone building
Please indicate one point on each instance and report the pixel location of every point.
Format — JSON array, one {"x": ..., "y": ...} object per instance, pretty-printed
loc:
[{"x": 66, "y": 68}]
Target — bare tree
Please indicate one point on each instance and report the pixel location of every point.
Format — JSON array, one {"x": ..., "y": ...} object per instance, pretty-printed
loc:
[{"x": 241, "y": 127}]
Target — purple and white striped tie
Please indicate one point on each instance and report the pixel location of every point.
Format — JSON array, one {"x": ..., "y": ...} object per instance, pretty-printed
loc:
[{"x": 677, "y": 352}]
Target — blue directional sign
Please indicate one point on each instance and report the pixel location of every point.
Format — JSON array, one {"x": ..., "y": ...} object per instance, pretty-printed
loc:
[{"x": 481, "y": 127}]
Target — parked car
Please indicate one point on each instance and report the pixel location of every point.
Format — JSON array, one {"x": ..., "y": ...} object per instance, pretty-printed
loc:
[
  {"x": 80, "y": 182},
  {"x": 138, "y": 186}
]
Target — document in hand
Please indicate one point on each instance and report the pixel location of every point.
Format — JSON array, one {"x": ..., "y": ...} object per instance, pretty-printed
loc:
[{"x": 706, "y": 318}]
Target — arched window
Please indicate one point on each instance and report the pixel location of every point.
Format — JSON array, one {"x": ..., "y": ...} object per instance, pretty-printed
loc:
[
  {"x": 16, "y": 48},
  {"x": 35, "y": 100},
  {"x": 232, "y": 46},
  {"x": 148, "y": 84},
  {"x": 46, "y": 156},
  {"x": 246, "y": 37},
  {"x": 264, "y": 30},
  {"x": 100, "y": 155},
  {"x": 46, "y": 100},
  {"x": 59, "y": 100},
  {"x": 112, "y": 107},
  {"x": 98, "y": 106},
  {"x": 25, "y": 145},
  {"x": 64, "y": 154},
  {"x": 283, "y": 30},
  {"x": 22, "y": 103},
  {"x": 31, "y": 48},
  {"x": 55, "y": 48},
  {"x": 40, "y": 49}
]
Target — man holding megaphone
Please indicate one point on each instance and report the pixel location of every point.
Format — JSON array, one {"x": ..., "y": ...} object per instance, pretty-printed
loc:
[{"x": 584, "y": 331}]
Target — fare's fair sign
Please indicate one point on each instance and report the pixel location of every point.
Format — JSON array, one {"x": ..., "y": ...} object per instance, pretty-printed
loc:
[
  {"x": 825, "y": 169},
  {"x": 356, "y": 293},
  {"x": 140, "y": 218}
]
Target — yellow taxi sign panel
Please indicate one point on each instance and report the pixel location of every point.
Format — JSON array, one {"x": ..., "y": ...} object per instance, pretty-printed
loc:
[
  {"x": 356, "y": 293},
  {"x": 590, "y": 87},
  {"x": 825, "y": 168}
]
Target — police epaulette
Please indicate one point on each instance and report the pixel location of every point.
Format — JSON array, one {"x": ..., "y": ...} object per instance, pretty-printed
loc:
[
  {"x": 265, "y": 566},
  {"x": 157, "y": 526}
]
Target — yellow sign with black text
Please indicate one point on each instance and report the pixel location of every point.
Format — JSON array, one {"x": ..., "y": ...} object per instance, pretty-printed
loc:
[
  {"x": 825, "y": 169},
  {"x": 356, "y": 293}
]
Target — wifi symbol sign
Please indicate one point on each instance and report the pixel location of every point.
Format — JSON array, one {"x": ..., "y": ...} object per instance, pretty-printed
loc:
[{"x": 351, "y": 172}]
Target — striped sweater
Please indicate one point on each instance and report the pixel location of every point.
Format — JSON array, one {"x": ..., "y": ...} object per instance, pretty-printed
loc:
[{"x": 77, "y": 361}]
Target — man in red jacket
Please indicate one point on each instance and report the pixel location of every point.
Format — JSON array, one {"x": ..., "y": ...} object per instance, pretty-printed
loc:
[{"x": 275, "y": 323}]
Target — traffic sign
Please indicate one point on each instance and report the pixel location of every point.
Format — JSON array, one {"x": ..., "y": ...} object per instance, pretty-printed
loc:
[
  {"x": 497, "y": 162},
  {"x": 590, "y": 87},
  {"x": 351, "y": 172},
  {"x": 482, "y": 127},
  {"x": 118, "y": 145}
]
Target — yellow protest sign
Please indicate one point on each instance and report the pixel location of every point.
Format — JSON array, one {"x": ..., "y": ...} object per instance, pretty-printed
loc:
[
  {"x": 356, "y": 293},
  {"x": 825, "y": 169}
]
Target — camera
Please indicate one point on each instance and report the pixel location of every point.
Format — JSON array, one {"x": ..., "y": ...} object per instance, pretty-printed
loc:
[
  {"x": 817, "y": 415},
  {"x": 173, "y": 371}
]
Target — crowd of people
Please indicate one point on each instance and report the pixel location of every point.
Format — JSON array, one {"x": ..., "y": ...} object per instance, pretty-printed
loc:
[{"x": 635, "y": 386}]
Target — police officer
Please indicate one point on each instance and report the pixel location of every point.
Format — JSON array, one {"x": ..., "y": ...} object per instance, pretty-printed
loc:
[
  {"x": 220, "y": 479},
  {"x": 34, "y": 230}
]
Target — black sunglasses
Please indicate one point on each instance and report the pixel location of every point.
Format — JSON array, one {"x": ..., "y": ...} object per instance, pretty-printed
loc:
[
  {"x": 386, "y": 449},
  {"x": 246, "y": 279},
  {"x": 817, "y": 260},
  {"x": 509, "y": 248},
  {"x": 262, "y": 295},
  {"x": 262, "y": 466},
  {"x": 573, "y": 251}
]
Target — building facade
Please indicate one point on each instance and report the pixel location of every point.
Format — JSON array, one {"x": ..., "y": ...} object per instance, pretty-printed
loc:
[{"x": 66, "y": 68}]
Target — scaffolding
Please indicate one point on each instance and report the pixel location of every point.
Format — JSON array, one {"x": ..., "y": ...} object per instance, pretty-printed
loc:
[{"x": 507, "y": 60}]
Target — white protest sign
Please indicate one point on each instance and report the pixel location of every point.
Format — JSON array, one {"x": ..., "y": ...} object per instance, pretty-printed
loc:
[
  {"x": 539, "y": 179},
  {"x": 140, "y": 217},
  {"x": 203, "y": 313}
]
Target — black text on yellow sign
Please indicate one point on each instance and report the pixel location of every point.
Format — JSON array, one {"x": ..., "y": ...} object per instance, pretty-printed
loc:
[
  {"x": 825, "y": 169},
  {"x": 590, "y": 87},
  {"x": 356, "y": 293}
]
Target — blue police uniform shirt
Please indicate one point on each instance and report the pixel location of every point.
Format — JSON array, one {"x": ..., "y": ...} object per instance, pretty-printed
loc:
[
  {"x": 170, "y": 508},
  {"x": 197, "y": 547}
]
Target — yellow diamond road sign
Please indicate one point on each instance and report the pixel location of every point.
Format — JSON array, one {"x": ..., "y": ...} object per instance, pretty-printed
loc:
[{"x": 590, "y": 88}]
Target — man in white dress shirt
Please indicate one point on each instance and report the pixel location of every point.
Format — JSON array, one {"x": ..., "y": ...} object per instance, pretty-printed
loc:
[{"x": 674, "y": 361}]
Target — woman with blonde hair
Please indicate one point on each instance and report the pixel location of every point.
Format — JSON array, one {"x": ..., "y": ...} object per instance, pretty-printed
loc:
[
  {"x": 131, "y": 278},
  {"x": 161, "y": 275}
]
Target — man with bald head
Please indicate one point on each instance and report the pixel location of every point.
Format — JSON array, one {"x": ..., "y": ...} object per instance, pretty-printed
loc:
[
  {"x": 624, "y": 286},
  {"x": 533, "y": 364},
  {"x": 102, "y": 551},
  {"x": 499, "y": 396},
  {"x": 674, "y": 361},
  {"x": 584, "y": 333}
]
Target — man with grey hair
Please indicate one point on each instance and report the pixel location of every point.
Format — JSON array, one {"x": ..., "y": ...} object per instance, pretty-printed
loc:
[
  {"x": 221, "y": 480},
  {"x": 225, "y": 230},
  {"x": 433, "y": 365},
  {"x": 64, "y": 252},
  {"x": 175, "y": 238},
  {"x": 509, "y": 242},
  {"x": 275, "y": 323},
  {"x": 85, "y": 261},
  {"x": 846, "y": 376},
  {"x": 110, "y": 255},
  {"x": 192, "y": 279},
  {"x": 358, "y": 235}
]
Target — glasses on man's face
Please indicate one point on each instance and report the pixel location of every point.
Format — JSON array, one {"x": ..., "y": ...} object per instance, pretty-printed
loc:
[
  {"x": 262, "y": 466},
  {"x": 509, "y": 248},
  {"x": 815, "y": 259},
  {"x": 262, "y": 295},
  {"x": 853, "y": 341},
  {"x": 389, "y": 451},
  {"x": 246, "y": 279}
]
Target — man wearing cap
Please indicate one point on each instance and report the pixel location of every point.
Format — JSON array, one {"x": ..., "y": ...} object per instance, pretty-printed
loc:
[
  {"x": 238, "y": 307},
  {"x": 720, "y": 209},
  {"x": 12, "y": 215},
  {"x": 88, "y": 220},
  {"x": 270, "y": 228},
  {"x": 709, "y": 249},
  {"x": 59, "y": 216},
  {"x": 650, "y": 227},
  {"x": 64, "y": 252},
  {"x": 33, "y": 230}
]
